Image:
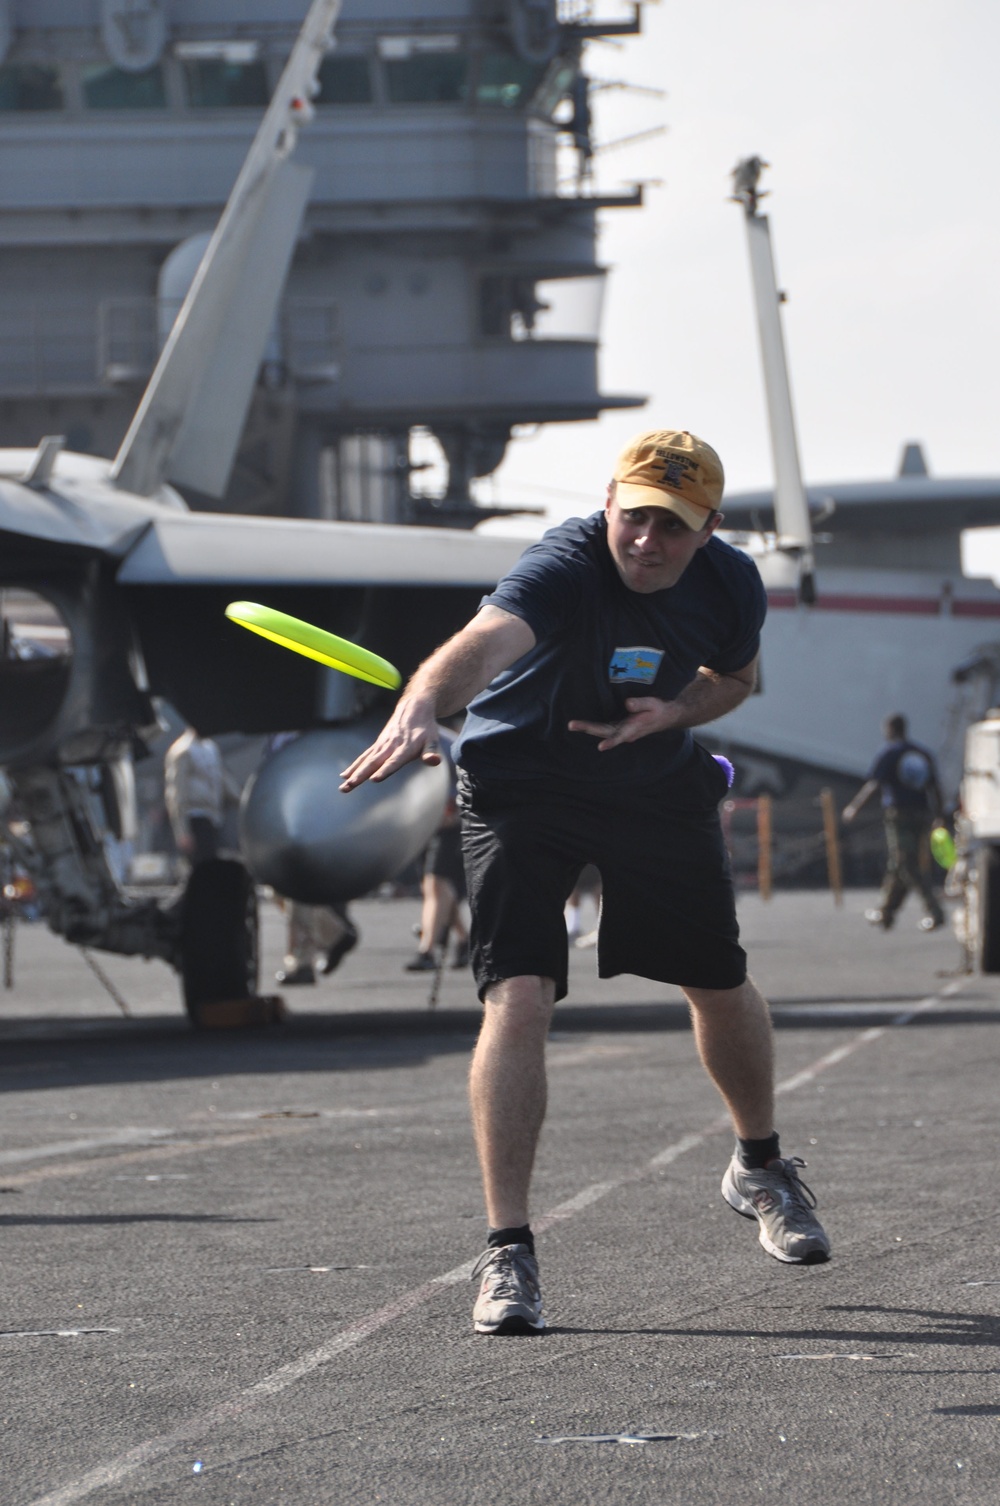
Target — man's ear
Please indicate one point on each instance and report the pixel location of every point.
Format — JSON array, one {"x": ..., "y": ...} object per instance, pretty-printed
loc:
[{"x": 709, "y": 528}]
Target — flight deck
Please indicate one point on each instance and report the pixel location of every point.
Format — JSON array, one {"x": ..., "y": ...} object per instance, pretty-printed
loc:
[{"x": 236, "y": 1262}]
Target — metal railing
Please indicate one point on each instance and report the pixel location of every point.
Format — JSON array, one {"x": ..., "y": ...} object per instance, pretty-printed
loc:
[
  {"x": 46, "y": 347},
  {"x": 65, "y": 347}
]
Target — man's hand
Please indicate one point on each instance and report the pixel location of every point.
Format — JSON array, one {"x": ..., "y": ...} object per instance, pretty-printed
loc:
[
  {"x": 410, "y": 733},
  {"x": 646, "y": 714},
  {"x": 443, "y": 684},
  {"x": 865, "y": 793},
  {"x": 705, "y": 698}
]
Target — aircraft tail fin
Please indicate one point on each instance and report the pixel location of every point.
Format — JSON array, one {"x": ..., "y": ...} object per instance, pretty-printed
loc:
[
  {"x": 39, "y": 473},
  {"x": 206, "y": 442},
  {"x": 188, "y": 423},
  {"x": 913, "y": 462}
]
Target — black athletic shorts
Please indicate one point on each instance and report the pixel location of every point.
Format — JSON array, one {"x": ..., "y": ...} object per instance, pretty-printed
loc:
[{"x": 667, "y": 910}]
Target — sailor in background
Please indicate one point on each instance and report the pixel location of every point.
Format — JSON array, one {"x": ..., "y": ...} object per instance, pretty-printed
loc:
[
  {"x": 196, "y": 787},
  {"x": 906, "y": 774},
  {"x": 442, "y": 886}
]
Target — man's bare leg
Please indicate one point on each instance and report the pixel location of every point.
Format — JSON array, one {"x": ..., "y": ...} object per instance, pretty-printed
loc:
[
  {"x": 732, "y": 1030},
  {"x": 437, "y": 912},
  {"x": 507, "y": 1091}
]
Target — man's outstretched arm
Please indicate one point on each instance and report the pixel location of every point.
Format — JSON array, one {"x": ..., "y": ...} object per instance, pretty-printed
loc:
[
  {"x": 865, "y": 793},
  {"x": 445, "y": 683},
  {"x": 704, "y": 699}
]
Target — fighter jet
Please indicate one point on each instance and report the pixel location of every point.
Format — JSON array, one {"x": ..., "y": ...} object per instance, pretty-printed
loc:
[{"x": 112, "y": 593}]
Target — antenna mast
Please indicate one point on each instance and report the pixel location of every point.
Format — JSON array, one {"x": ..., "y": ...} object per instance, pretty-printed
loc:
[{"x": 791, "y": 509}]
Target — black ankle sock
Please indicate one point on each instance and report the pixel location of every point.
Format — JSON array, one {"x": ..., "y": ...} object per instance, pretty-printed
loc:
[
  {"x": 522, "y": 1236},
  {"x": 755, "y": 1154}
]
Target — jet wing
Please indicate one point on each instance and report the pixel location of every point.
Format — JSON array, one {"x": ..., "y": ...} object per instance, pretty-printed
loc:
[
  {"x": 918, "y": 503},
  {"x": 78, "y": 509},
  {"x": 399, "y": 591},
  {"x": 201, "y": 549}
]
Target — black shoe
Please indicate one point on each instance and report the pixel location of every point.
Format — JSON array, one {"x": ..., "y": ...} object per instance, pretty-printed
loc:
[
  {"x": 339, "y": 951},
  {"x": 423, "y": 962},
  {"x": 882, "y": 918},
  {"x": 932, "y": 922},
  {"x": 292, "y": 976},
  {"x": 460, "y": 956}
]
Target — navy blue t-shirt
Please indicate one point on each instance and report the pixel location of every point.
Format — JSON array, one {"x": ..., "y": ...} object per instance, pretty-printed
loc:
[
  {"x": 906, "y": 772},
  {"x": 598, "y": 645}
]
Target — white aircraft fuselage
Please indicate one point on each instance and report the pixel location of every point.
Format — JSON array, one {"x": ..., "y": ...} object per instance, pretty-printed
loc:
[{"x": 894, "y": 618}]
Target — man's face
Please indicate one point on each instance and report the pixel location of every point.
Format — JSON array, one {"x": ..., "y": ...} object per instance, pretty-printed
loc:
[{"x": 651, "y": 547}]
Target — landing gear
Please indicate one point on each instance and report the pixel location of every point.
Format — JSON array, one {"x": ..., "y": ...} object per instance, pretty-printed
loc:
[{"x": 219, "y": 955}]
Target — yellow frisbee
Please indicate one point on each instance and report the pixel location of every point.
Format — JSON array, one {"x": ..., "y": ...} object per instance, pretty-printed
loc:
[{"x": 315, "y": 643}]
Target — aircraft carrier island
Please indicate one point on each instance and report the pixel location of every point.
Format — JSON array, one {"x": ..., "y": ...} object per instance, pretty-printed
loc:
[
  {"x": 216, "y": 339},
  {"x": 442, "y": 277}
]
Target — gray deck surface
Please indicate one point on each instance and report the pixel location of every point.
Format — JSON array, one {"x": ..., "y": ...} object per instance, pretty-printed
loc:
[{"x": 233, "y": 1263}]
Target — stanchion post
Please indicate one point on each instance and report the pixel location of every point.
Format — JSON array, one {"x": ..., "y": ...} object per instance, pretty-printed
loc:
[
  {"x": 764, "y": 844},
  {"x": 832, "y": 839},
  {"x": 8, "y": 911},
  {"x": 9, "y": 922}
]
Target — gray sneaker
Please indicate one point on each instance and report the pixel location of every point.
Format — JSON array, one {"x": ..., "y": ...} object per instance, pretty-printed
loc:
[
  {"x": 509, "y": 1298},
  {"x": 783, "y": 1205}
]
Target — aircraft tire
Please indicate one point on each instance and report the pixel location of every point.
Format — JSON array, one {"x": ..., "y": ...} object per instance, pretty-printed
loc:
[
  {"x": 989, "y": 909},
  {"x": 219, "y": 952}
]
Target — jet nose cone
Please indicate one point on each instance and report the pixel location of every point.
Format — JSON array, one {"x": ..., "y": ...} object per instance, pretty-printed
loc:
[{"x": 311, "y": 843}]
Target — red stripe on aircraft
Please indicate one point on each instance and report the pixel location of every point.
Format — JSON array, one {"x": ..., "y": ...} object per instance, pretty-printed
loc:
[
  {"x": 913, "y": 606},
  {"x": 920, "y": 606},
  {"x": 975, "y": 609}
]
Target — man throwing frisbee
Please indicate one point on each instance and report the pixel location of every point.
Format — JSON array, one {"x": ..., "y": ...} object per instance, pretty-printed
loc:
[{"x": 584, "y": 672}]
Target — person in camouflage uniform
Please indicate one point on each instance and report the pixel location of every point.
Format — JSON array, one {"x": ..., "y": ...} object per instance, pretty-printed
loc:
[{"x": 905, "y": 773}]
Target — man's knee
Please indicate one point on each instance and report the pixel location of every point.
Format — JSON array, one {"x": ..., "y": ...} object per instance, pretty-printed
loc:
[
  {"x": 520, "y": 1004},
  {"x": 714, "y": 1002}
]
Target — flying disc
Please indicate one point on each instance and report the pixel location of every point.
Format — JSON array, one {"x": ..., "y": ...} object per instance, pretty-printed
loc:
[
  {"x": 315, "y": 643},
  {"x": 943, "y": 847}
]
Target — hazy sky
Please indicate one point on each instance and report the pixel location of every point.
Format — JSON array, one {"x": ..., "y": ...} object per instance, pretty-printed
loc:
[{"x": 880, "y": 119}]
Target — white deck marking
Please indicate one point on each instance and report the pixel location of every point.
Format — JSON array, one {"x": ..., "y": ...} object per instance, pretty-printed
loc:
[
  {"x": 198, "y": 1426},
  {"x": 51, "y": 1333},
  {"x": 573, "y": 1205},
  {"x": 688, "y": 1142},
  {"x": 97, "y": 1140},
  {"x": 101, "y": 1165}
]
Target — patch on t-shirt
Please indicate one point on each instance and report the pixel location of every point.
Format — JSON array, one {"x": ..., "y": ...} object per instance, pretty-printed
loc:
[{"x": 636, "y": 664}]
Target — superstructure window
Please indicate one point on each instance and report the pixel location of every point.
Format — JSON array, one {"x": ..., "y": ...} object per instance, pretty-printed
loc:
[
  {"x": 506, "y": 80},
  {"x": 344, "y": 81},
  {"x": 220, "y": 83},
  {"x": 30, "y": 86},
  {"x": 507, "y": 306},
  {"x": 556, "y": 86},
  {"x": 517, "y": 306},
  {"x": 108, "y": 88},
  {"x": 424, "y": 70},
  {"x": 439, "y": 80}
]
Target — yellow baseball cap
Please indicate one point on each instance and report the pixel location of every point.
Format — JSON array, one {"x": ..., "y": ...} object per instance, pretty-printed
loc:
[{"x": 673, "y": 469}]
